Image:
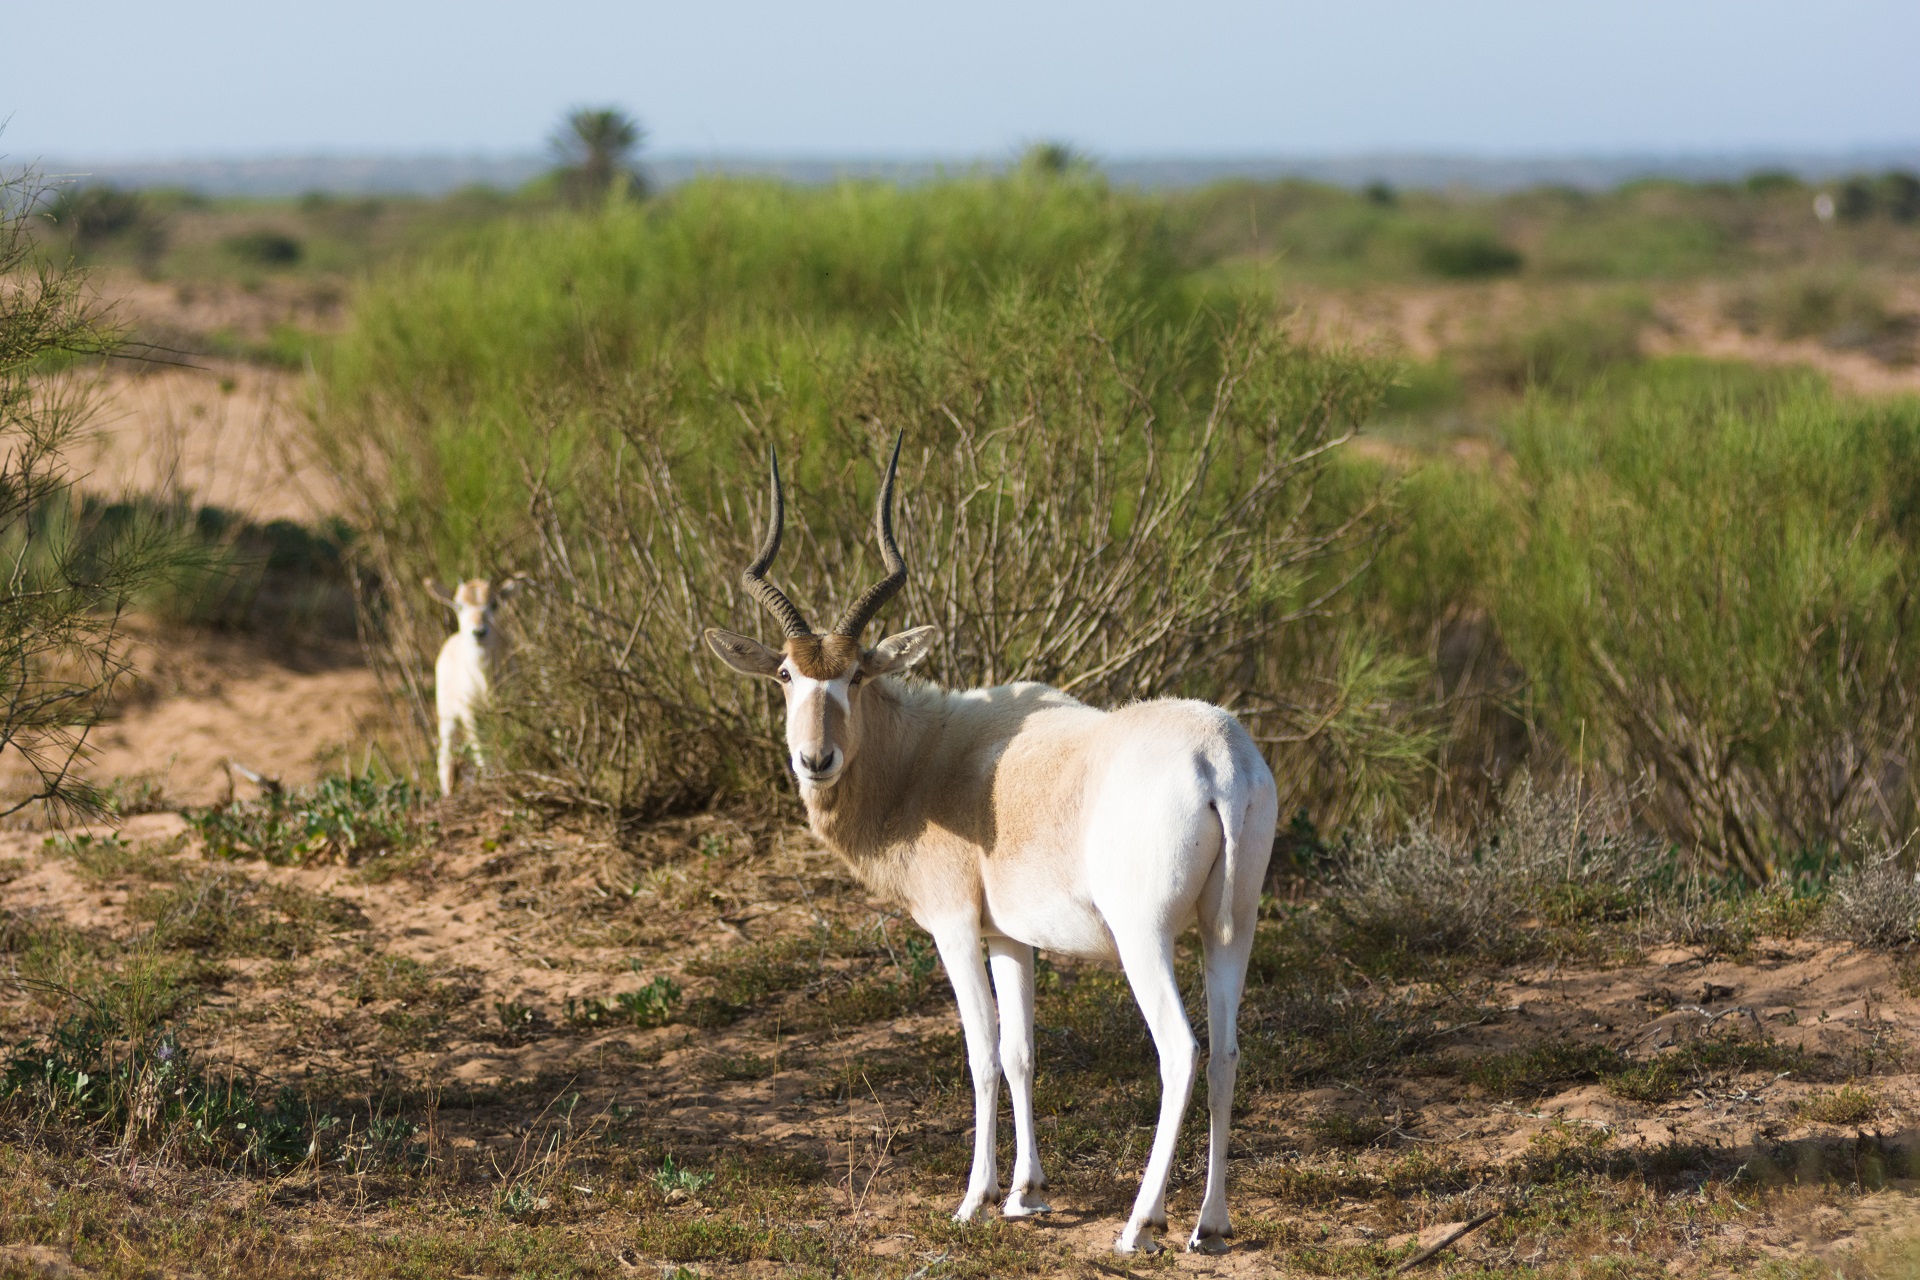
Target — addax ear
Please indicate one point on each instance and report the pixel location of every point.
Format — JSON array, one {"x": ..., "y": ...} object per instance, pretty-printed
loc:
[
  {"x": 512, "y": 587},
  {"x": 438, "y": 591},
  {"x": 743, "y": 653},
  {"x": 899, "y": 652}
]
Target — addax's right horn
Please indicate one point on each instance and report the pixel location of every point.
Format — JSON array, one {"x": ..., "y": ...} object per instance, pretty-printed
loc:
[{"x": 755, "y": 576}]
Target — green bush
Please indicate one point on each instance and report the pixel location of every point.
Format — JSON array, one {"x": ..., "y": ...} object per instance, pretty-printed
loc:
[
  {"x": 1565, "y": 349},
  {"x": 1075, "y": 413},
  {"x": 1468, "y": 255},
  {"x": 1697, "y": 574},
  {"x": 264, "y": 248},
  {"x": 70, "y": 577}
]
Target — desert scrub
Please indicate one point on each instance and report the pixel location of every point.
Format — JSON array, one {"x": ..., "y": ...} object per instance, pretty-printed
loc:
[
  {"x": 1688, "y": 1066},
  {"x": 1873, "y": 903},
  {"x": 1561, "y": 862},
  {"x": 1563, "y": 349},
  {"x": 219, "y": 913},
  {"x": 827, "y": 977},
  {"x": 1096, "y": 494},
  {"x": 1845, "y": 310},
  {"x": 150, "y": 1094},
  {"x": 1529, "y": 1072}
]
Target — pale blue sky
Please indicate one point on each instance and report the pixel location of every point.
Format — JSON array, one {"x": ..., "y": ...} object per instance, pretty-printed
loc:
[{"x": 196, "y": 78}]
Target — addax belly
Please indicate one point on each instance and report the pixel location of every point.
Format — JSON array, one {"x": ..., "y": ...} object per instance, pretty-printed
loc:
[{"x": 1041, "y": 906}]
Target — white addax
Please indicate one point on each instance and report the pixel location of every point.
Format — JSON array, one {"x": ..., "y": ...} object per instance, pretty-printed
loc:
[
  {"x": 468, "y": 662},
  {"x": 1015, "y": 817}
]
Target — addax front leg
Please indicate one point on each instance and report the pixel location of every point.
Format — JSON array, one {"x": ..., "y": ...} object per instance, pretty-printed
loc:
[
  {"x": 1012, "y": 965},
  {"x": 960, "y": 952},
  {"x": 449, "y": 743}
]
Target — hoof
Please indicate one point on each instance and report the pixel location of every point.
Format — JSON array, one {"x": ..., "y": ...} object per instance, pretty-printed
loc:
[
  {"x": 1207, "y": 1244},
  {"x": 1024, "y": 1204},
  {"x": 1136, "y": 1240}
]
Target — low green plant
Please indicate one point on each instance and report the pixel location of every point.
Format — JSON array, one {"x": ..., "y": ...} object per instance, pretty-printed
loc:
[
  {"x": 1847, "y": 1105},
  {"x": 671, "y": 1177},
  {"x": 110, "y": 856},
  {"x": 516, "y": 1019},
  {"x": 653, "y": 1005},
  {"x": 342, "y": 819},
  {"x": 1671, "y": 1074}
]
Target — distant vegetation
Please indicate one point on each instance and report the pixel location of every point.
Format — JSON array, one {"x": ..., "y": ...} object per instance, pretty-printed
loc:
[{"x": 1648, "y": 230}]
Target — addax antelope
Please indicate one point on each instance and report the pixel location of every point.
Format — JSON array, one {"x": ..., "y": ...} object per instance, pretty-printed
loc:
[
  {"x": 468, "y": 662},
  {"x": 1016, "y": 817}
]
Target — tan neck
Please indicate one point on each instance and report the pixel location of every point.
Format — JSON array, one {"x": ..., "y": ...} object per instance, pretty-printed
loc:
[{"x": 861, "y": 815}]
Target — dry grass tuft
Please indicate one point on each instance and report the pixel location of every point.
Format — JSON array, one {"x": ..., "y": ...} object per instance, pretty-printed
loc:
[{"x": 1873, "y": 904}]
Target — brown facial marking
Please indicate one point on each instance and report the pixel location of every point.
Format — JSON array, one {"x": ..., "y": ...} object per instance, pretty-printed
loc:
[
  {"x": 474, "y": 591},
  {"x": 825, "y": 723},
  {"x": 823, "y": 657}
]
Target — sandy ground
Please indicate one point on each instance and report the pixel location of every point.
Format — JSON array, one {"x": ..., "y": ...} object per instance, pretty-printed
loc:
[
  {"x": 226, "y": 434},
  {"x": 536, "y": 919},
  {"x": 287, "y": 711}
]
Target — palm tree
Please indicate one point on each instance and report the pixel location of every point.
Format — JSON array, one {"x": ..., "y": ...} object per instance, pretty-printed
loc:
[{"x": 596, "y": 146}]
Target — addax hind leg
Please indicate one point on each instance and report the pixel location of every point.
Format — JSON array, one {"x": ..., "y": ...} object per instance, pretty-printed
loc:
[
  {"x": 1226, "y": 975},
  {"x": 1229, "y": 910},
  {"x": 1012, "y": 965},
  {"x": 1149, "y": 966}
]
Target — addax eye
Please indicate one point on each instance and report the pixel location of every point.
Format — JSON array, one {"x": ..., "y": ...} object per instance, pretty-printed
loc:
[{"x": 784, "y": 677}]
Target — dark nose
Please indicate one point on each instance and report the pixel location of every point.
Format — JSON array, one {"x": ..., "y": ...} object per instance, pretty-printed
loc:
[
  {"x": 820, "y": 763},
  {"x": 479, "y": 633}
]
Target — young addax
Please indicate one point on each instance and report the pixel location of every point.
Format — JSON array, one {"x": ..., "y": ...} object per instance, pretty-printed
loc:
[
  {"x": 1016, "y": 817},
  {"x": 469, "y": 661}
]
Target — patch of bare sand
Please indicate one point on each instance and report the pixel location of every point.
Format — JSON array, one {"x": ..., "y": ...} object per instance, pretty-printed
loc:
[
  {"x": 285, "y": 709},
  {"x": 179, "y": 313},
  {"x": 229, "y": 435},
  {"x": 1424, "y": 322},
  {"x": 1693, "y": 322}
]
